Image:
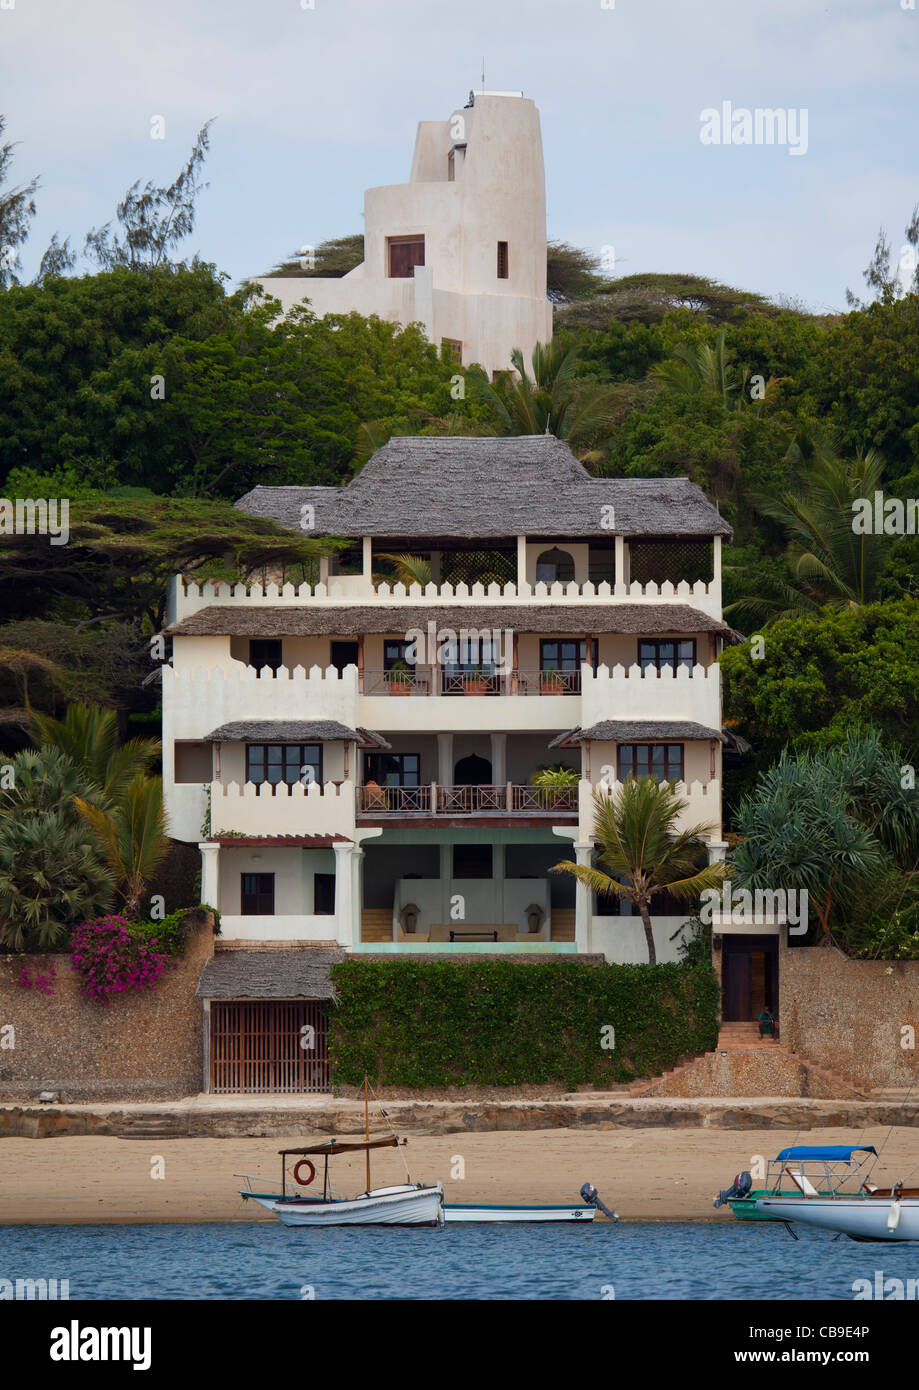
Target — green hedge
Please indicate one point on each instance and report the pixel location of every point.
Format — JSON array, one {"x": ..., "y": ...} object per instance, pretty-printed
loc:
[{"x": 491, "y": 1022}]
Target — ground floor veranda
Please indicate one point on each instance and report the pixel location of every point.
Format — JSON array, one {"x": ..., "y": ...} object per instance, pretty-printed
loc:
[{"x": 447, "y": 890}]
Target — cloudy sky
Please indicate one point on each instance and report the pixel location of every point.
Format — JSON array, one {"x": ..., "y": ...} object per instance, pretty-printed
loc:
[{"x": 316, "y": 104}]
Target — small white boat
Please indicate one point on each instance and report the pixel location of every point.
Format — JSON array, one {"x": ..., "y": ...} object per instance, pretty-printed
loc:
[
  {"x": 469, "y": 1212},
  {"x": 408, "y": 1204},
  {"x": 866, "y": 1216}
]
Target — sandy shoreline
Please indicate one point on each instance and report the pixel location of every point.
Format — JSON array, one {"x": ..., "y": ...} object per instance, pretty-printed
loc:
[{"x": 644, "y": 1174}]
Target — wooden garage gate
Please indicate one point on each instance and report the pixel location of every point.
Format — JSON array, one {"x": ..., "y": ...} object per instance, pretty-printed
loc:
[{"x": 278, "y": 1046}]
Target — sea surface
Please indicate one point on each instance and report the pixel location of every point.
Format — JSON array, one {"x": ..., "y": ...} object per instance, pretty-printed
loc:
[{"x": 628, "y": 1260}]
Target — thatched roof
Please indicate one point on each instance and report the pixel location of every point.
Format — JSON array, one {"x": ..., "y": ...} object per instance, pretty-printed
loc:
[
  {"x": 321, "y": 620},
  {"x": 436, "y": 489},
  {"x": 635, "y": 731},
  {"x": 294, "y": 974},
  {"x": 293, "y": 731}
]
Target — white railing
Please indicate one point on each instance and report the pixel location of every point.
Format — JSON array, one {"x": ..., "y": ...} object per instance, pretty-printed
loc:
[
  {"x": 195, "y": 701},
  {"x": 433, "y": 799},
  {"x": 628, "y": 692},
  {"x": 185, "y": 599},
  {"x": 259, "y": 808}
]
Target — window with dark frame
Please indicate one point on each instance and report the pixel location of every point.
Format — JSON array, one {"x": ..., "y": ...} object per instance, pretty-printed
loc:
[
  {"x": 393, "y": 769},
  {"x": 284, "y": 762},
  {"x": 455, "y": 348},
  {"x": 257, "y": 895},
  {"x": 323, "y": 895},
  {"x": 566, "y": 654},
  {"x": 265, "y": 651},
  {"x": 404, "y": 252},
  {"x": 662, "y": 761},
  {"x": 667, "y": 651},
  {"x": 394, "y": 651},
  {"x": 502, "y": 260},
  {"x": 343, "y": 654}
]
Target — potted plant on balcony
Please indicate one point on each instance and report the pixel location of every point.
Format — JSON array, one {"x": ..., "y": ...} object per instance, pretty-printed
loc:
[
  {"x": 551, "y": 681},
  {"x": 399, "y": 678},
  {"x": 556, "y": 785},
  {"x": 475, "y": 682}
]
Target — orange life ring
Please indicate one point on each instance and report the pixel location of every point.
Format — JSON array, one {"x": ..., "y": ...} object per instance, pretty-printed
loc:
[{"x": 304, "y": 1163}]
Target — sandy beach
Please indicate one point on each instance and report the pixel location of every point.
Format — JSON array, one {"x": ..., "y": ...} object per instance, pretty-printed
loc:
[{"x": 644, "y": 1174}]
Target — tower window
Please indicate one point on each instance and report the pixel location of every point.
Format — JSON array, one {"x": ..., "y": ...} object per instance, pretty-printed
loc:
[
  {"x": 502, "y": 260},
  {"x": 405, "y": 252}
]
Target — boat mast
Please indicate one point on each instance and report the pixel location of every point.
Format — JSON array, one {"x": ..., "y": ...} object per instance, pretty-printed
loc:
[{"x": 367, "y": 1129}]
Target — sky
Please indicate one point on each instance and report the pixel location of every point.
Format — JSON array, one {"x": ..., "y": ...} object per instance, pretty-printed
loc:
[{"x": 316, "y": 100}]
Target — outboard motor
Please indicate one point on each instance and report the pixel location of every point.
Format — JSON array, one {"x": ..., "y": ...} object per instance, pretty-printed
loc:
[
  {"x": 739, "y": 1188},
  {"x": 591, "y": 1198}
]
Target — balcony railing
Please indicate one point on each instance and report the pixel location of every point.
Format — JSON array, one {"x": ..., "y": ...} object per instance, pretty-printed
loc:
[
  {"x": 437, "y": 681},
  {"x": 434, "y": 800}
]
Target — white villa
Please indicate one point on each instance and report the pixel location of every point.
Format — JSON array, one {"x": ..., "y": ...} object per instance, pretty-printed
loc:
[
  {"x": 354, "y": 758},
  {"x": 461, "y": 247}
]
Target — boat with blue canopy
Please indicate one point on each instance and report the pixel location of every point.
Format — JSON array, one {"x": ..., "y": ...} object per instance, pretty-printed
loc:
[{"x": 803, "y": 1170}]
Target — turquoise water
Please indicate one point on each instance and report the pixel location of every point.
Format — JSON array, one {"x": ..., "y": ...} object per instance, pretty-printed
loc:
[{"x": 670, "y": 1260}]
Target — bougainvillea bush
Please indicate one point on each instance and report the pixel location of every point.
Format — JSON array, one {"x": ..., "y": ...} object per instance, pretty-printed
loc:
[{"x": 113, "y": 956}]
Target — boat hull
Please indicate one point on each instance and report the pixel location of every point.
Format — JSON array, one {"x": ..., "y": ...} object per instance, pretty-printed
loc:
[
  {"x": 410, "y": 1206},
  {"x": 862, "y": 1218},
  {"x": 513, "y": 1213}
]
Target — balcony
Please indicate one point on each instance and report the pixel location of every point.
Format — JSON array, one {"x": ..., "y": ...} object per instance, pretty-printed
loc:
[
  {"x": 507, "y": 799},
  {"x": 436, "y": 680}
]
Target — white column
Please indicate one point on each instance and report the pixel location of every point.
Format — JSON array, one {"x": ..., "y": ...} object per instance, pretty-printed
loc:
[
  {"x": 622, "y": 561},
  {"x": 357, "y": 889},
  {"x": 367, "y": 559},
  {"x": 344, "y": 894},
  {"x": 445, "y": 759},
  {"x": 521, "y": 562},
  {"x": 583, "y": 903},
  {"x": 716, "y": 573},
  {"x": 210, "y": 879},
  {"x": 498, "y": 759},
  {"x": 324, "y": 570}
]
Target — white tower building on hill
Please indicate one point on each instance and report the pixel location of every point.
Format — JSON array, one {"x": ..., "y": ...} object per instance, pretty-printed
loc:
[{"x": 461, "y": 247}]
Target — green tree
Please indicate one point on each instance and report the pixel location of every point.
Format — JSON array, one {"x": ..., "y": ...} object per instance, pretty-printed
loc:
[
  {"x": 329, "y": 260},
  {"x": 549, "y": 402},
  {"x": 52, "y": 874},
  {"x": 642, "y": 852},
  {"x": 132, "y": 836},
  {"x": 88, "y": 736}
]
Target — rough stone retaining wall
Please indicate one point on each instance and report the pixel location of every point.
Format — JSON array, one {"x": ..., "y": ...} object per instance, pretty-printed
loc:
[
  {"x": 852, "y": 1016},
  {"x": 142, "y": 1045},
  {"x": 754, "y": 1072}
]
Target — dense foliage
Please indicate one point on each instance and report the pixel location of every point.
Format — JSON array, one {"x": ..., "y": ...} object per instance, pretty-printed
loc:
[{"x": 491, "y": 1022}]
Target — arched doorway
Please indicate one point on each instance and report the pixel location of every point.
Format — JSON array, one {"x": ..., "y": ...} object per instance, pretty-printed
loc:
[
  {"x": 472, "y": 771},
  {"x": 554, "y": 567}
]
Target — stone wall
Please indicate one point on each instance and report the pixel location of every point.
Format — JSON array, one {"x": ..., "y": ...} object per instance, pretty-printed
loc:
[
  {"x": 851, "y": 1015},
  {"x": 141, "y": 1046}
]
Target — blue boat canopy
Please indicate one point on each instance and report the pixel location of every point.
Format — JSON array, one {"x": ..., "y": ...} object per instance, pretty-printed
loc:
[{"x": 826, "y": 1153}]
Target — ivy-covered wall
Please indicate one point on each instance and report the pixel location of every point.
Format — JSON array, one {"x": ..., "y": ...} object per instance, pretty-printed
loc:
[{"x": 488, "y": 1022}]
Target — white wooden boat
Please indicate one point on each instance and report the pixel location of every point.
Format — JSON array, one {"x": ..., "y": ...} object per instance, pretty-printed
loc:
[
  {"x": 866, "y": 1216},
  {"x": 470, "y": 1212},
  {"x": 408, "y": 1204}
]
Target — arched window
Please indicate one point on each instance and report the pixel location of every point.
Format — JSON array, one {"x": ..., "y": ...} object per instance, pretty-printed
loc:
[
  {"x": 472, "y": 771},
  {"x": 554, "y": 567}
]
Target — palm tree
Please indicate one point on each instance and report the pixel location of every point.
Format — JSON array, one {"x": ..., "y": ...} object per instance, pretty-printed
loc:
[
  {"x": 88, "y": 735},
  {"x": 642, "y": 851},
  {"x": 132, "y": 836},
  {"x": 703, "y": 369},
  {"x": 549, "y": 402},
  {"x": 52, "y": 874},
  {"x": 830, "y": 564}
]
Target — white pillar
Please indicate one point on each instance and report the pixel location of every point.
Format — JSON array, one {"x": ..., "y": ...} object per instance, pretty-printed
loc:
[
  {"x": 715, "y": 590},
  {"x": 498, "y": 759},
  {"x": 344, "y": 894},
  {"x": 583, "y": 902},
  {"x": 367, "y": 560},
  {"x": 521, "y": 562},
  {"x": 210, "y": 879},
  {"x": 445, "y": 759},
  {"x": 357, "y": 889}
]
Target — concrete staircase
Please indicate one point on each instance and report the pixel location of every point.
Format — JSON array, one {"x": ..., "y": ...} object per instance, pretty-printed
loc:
[{"x": 744, "y": 1064}]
